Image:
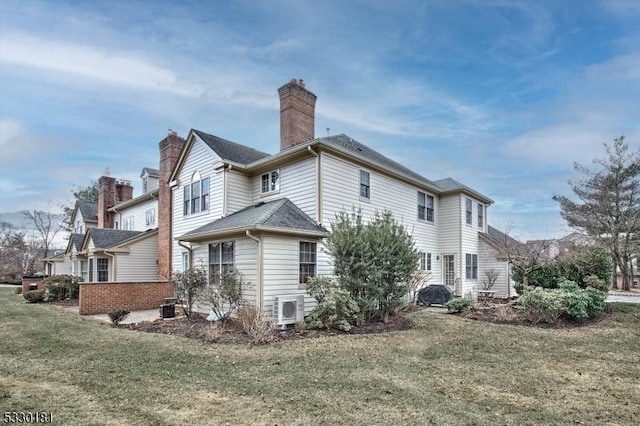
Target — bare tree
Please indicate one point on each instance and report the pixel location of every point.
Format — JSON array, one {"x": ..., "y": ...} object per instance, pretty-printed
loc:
[
  {"x": 608, "y": 206},
  {"x": 47, "y": 227},
  {"x": 12, "y": 249},
  {"x": 490, "y": 278},
  {"x": 523, "y": 257}
]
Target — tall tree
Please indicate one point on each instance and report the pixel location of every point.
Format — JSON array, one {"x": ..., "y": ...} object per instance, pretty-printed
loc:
[
  {"x": 84, "y": 193},
  {"x": 47, "y": 226},
  {"x": 608, "y": 204},
  {"x": 14, "y": 256}
]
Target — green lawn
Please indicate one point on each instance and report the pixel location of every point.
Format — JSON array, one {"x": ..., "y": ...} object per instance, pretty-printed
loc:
[{"x": 445, "y": 371}]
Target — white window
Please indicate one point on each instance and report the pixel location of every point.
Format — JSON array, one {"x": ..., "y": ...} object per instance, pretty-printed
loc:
[
  {"x": 425, "y": 261},
  {"x": 145, "y": 184},
  {"x": 127, "y": 223},
  {"x": 150, "y": 217},
  {"x": 220, "y": 261},
  {"x": 480, "y": 215},
  {"x": 196, "y": 196},
  {"x": 425, "y": 207},
  {"x": 270, "y": 182},
  {"x": 365, "y": 187},
  {"x": 469, "y": 211},
  {"x": 84, "y": 271},
  {"x": 79, "y": 228},
  {"x": 307, "y": 261},
  {"x": 185, "y": 261},
  {"x": 471, "y": 266},
  {"x": 102, "y": 266}
]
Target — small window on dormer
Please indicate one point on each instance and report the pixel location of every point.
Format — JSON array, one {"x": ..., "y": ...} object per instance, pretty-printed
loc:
[
  {"x": 270, "y": 182},
  {"x": 145, "y": 184}
]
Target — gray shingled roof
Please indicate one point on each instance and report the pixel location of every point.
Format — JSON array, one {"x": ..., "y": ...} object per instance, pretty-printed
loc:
[
  {"x": 77, "y": 240},
  {"x": 231, "y": 151},
  {"x": 106, "y": 238},
  {"x": 345, "y": 142},
  {"x": 281, "y": 213},
  {"x": 88, "y": 209},
  {"x": 150, "y": 172},
  {"x": 501, "y": 238}
]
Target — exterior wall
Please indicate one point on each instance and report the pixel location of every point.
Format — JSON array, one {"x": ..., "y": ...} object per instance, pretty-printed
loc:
[
  {"x": 203, "y": 160},
  {"x": 239, "y": 191},
  {"x": 100, "y": 298},
  {"x": 281, "y": 270},
  {"x": 341, "y": 191},
  {"x": 138, "y": 212},
  {"x": 297, "y": 183},
  {"x": 449, "y": 224},
  {"x": 140, "y": 264},
  {"x": 245, "y": 262},
  {"x": 469, "y": 245},
  {"x": 487, "y": 260}
]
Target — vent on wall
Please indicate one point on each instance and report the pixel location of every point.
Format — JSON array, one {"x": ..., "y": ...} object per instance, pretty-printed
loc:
[{"x": 288, "y": 309}]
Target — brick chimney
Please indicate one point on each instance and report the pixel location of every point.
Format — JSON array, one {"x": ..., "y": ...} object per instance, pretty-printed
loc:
[
  {"x": 297, "y": 114},
  {"x": 106, "y": 199},
  {"x": 170, "y": 148},
  {"x": 124, "y": 191}
]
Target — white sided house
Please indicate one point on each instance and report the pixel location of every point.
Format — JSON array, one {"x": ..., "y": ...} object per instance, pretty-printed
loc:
[{"x": 234, "y": 207}]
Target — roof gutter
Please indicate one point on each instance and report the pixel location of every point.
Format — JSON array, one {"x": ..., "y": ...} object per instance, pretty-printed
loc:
[{"x": 240, "y": 229}]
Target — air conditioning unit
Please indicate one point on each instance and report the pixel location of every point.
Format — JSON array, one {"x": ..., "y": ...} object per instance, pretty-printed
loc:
[{"x": 288, "y": 309}]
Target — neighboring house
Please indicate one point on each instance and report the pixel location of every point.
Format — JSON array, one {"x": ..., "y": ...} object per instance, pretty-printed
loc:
[{"x": 265, "y": 215}]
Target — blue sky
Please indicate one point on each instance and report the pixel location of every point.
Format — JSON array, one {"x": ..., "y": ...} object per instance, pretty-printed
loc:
[{"x": 501, "y": 95}]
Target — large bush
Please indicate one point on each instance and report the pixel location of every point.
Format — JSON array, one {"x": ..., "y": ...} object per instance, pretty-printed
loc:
[
  {"x": 569, "y": 299},
  {"x": 335, "y": 306},
  {"x": 586, "y": 263},
  {"x": 34, "y": 296},
  {"x": 375, "y": 263},
  {"x": 61, "y": 287}
]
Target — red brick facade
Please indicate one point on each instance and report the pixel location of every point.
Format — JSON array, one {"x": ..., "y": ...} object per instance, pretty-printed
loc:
[
  {"x": 101, "y": 298},
  {"x": 26, "y": 282},
  {"x": 170, "y": 148},
  {"x": 297, "y": 114}
]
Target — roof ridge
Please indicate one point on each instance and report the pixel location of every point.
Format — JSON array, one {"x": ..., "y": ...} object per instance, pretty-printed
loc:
[{"x": 282, "y": 201}]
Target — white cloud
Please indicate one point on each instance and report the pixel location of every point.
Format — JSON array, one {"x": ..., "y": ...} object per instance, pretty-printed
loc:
[{"x": 107, "y": 65}]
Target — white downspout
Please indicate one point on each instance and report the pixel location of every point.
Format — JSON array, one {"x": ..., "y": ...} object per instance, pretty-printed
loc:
[
  {"x": 318, "y": 186},
  {"x": 259, "y": 286},
  {"x": 189, "y": 250},
  {"x": 113, "y": 266}
]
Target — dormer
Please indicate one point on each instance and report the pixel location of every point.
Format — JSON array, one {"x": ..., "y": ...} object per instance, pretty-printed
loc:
[{"x": 150, "y": 179}]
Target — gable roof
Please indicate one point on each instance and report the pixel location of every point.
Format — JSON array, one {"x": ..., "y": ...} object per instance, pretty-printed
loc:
[
  {"x": 499, "y": 238},
  {"x": 75, "y": 240},
  {"x": 231, "y": 151},
  {"x": 88, "y": 209},
  {"x": 104, "y": 238},
  {"x": 276, "y": 215},
  {"x": 360, "y": 150},
  {"x": 147, "y": 196},
  {"x": 149, "y": 171}
]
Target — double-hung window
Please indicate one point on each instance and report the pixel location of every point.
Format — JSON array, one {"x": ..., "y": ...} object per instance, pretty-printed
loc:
[
  {"x": 196, "y": 197},
  {"x": 471, "y": 266},
  {"x": 307, "y": 261},
  {"x": 150, "y": 217},
  {"x": 365, "y": 187},
  {"x": 270, "y": 182},
  {"x": 220, "y": 261},
  {"x": 425, "y": 207},
  {"x": 480, "y": 215},
  {"x": 469, "y": 211},
  {"x": 102, "y": 266},
  {"x": 425, "y": 261}
]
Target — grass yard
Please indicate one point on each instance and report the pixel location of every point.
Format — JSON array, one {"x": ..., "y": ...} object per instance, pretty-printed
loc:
[{"x": 447, "y": 370}]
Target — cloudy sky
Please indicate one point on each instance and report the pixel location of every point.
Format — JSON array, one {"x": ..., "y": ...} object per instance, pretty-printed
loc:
[{"x": 501, "y": 95}]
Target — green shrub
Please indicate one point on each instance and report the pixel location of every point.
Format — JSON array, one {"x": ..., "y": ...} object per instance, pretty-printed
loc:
[
  {"x": 595, "y": 282},
  {"x": 335, "y": 309},
  {"x": 34, "y": 296},
  {"x": 60, "y": 287},
  {"x": 118, "y": 315},
  {"x": 596, "y": 299},
  {"x": 539, "y": 304},
  {"x": 458, "y": 305}
]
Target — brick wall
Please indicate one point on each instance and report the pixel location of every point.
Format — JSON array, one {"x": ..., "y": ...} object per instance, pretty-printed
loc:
[
  {"x": 27, "y": 281},
  {"x": 101, "y": 298}
]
